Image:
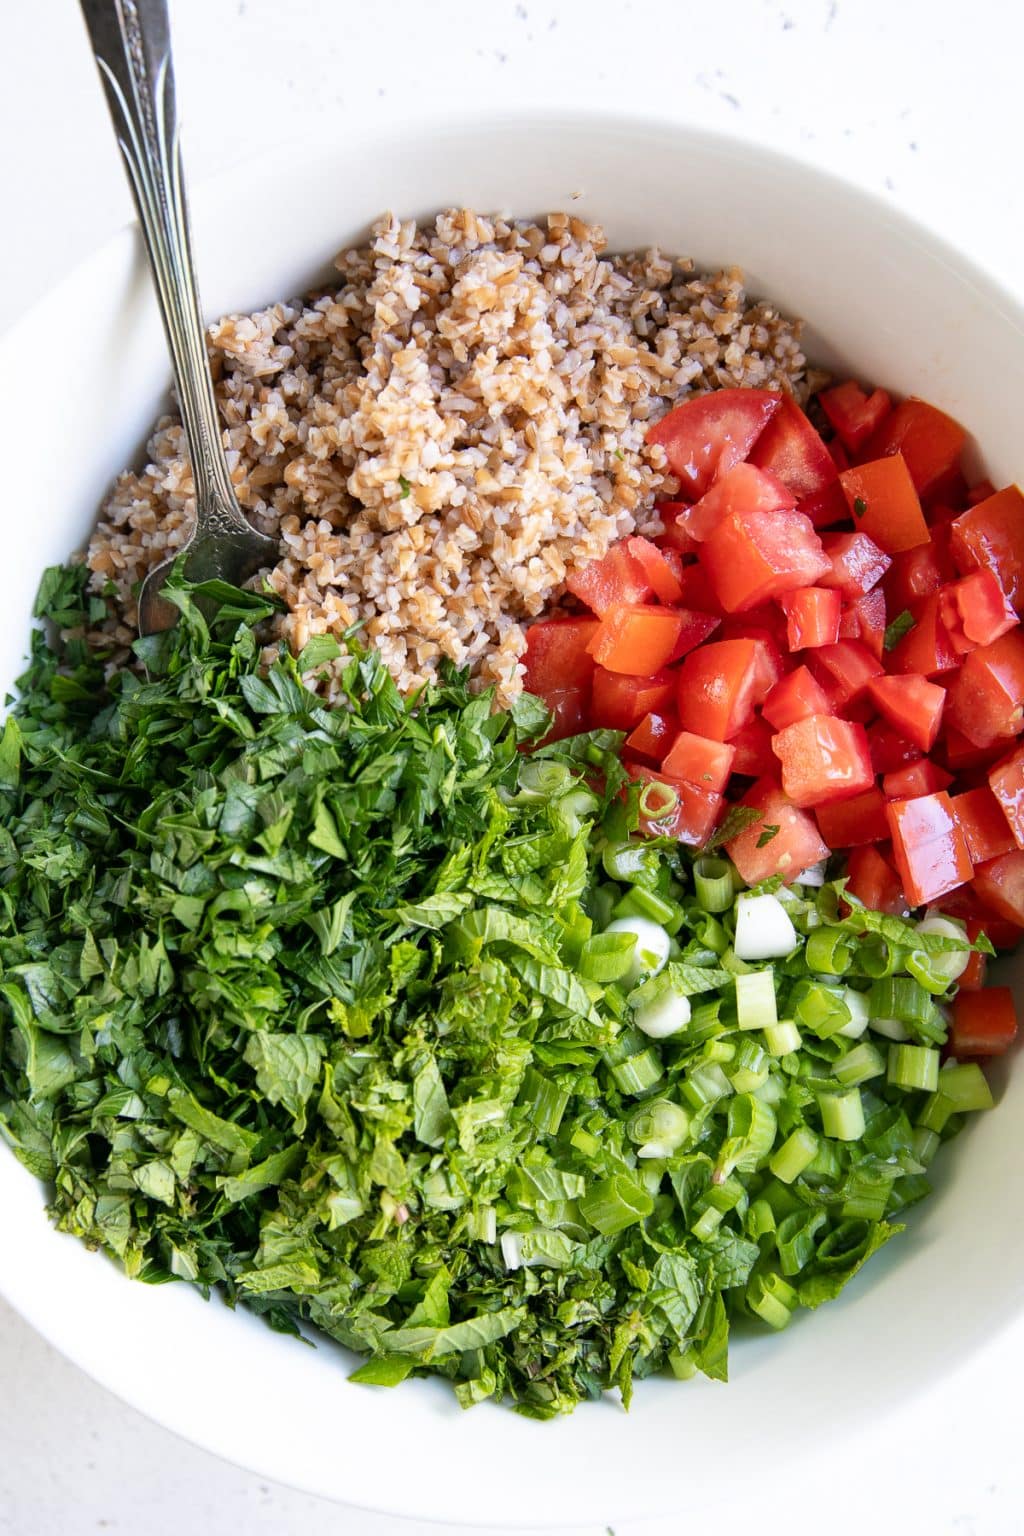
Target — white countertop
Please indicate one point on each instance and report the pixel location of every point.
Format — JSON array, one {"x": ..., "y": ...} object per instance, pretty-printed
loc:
[{"x": 919, "y": 100}]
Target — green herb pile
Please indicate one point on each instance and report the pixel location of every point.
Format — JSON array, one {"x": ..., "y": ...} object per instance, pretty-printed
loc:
[{"x": 316, "y": 1008}]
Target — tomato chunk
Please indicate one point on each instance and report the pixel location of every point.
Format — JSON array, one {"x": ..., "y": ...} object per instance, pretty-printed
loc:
[
  {"x": 864, "y": 620},
  {"x": 615, "y": 578},
  {"x": 741, "y": 489},
  {"x": 929, "y": 847},
  {"x": 848, "y": 666},
  {"x": 962, "y": 756},
  {"x": 921, "y": 778},
  {"x": 985, "y": 698},
  {"x": 705, "y": 437},
  {"x": 663, "y": 579},
  {"x": 912, "y": 704},
  {"x": 569, "y": 708},
  {"x": 926, "y": 648},
  {"x": 790, "y": 448},
  {"x": 975, "y": 611},
  {"x": 784, "y": 842},
  {"x": 990, "y": 536},
  {"x": 999, "y": 885},
  {"x": 694, "y": 629},
  {"x": 890, "y": 750},
  {"x": 929, "y": 440},
  {"x": 823, "y": 758},
  {"x": 692, "y": 818},
  {"x": 636, "y": 638},
  {"x": 620, "y": 702},
  {"x": 676, "y": 539},
  {"x": 858, "y": 564},
  {"x": 794, "y": 697},
  {"x": 556, "y": 655},
  {"x": 754, "y": 755},
  {"x": 884, "y": 503},
  {"x": 852, "y": 823},
  {"x": 853, "y": 413},
  {"x": 812, "y": 617},
  {"x": 653, "y": 736},
  {"x": 755, "y": 556},
  {"x": 716, "y": 687},
  {"x": 984, "y": 1023},
  {"x": 1006, "y": 781},
  {"x": 871, "y": 878},
  {"x": 699, "y": 760},
  {"x": 985, "y": 828}
]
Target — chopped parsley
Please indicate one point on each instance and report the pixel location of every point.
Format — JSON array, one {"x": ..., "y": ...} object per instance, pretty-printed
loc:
[
  {"x": 894, "y": 632},
  {"x": 860, "y": 506}
]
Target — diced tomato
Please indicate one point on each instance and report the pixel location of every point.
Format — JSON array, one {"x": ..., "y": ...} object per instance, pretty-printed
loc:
[
  {"x": 921, "y": 778},
  {"x": 999, "y": 886},
  {"x": 676, "y": 538},
  {"x": 790, "y": 448},
  {"x": 929, "y": 440},
  {"x": 674, "y": 560},
  {"x": 985, "y": 828},
  {"x": 926, "y": 648},
  {"x": 975, "y": 611},
  {"x": 963, "y": 756},
  {"x": 972, "y": 977},
  {"x": 838, "y": 454},
  {"x": 980, "y": 492},
  {"x": 705, "y": 437},
  {"x": 656, "y": 568},
  {"x": 556, "y": 655},
  {"x": 983, "y": 1024},
  {"x": 741, "y": 489},
  {"x": 636, "y": 638},
  {"x": 694, "y": 815},
  {"x": 929, "y": 848},
  {"x": 812, "y": 617},
  {"x": 884, "y": 503},
  {"x": 754, "y": 755},
  {"x": 653, "y": 736},
  {"x": 794, "y": 697},
  {"x": 755, "y": 556},
  {"x": 694, "y": 629},
  {"x": 852, "y": 823},
  {"x": 857, "y": 563},
  {"x": 990, "y": 536},
  {"x": 912, "y": 704},
  {"x": 848, "y": 666},
  {"x": 1006, "y": 781},
  {"x": 615, "y": 578},
  {"x": 698, "y": 593},
  {"x": 871, "y": 878},
  {"x": 699, "y": 760},
  {"x": 770, "y": 663},
  {"x": 619, "y": 703},
  {"x": 890, "y": 750},
  {"x": 784, "y": 842},
  {"x": 823, "y": 758},
  {"x": 716, "y": 687},
  {"x": 569, "y": 709},
  {"x": 916, "y": 574},
  {"x": 864, "y": 620},
  {"x": 985, "y": 698},
  {"x": 853, "y": 413}
]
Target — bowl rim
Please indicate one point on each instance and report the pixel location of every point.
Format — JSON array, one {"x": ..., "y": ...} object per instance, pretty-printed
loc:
[{"x": 381, "y": 129}]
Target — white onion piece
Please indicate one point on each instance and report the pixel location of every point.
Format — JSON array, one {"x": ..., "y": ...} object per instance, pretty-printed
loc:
[
  {"x": 859, "y": 1015},
  {"x": 952, "y": 962},
  {"x": 813, "y": 875},
  {"x": 652, "y": 946},
  {"x": 892, "y": 1029},
  {"x": 667, "y": 1015},
  {"x": 763, "y": 928}
]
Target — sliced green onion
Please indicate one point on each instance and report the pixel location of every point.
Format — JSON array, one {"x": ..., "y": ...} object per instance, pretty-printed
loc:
[
  {"x": 773, "y": 1299},
  {"x": 937, "y": 1110},
  {"x": 639, "y": 902},
  {"x": 652, "y": 946},
  {"x": 892, "y": 1029},
  {"x": 705, "y": 1022},
  {"x": 795, "y": 1239},
  {"x": 772, "y": 1090},
  {"x": 925, "y": 1143},
  {"x": 601, "y": 903},
  {"x": 760, "y": 1220},
  {"x": 861, "y": 1064},
  {"x": 705, "y": 1085},
  {"x": 750, "y": 1134},
  {"x": 912, "y": 1067},
  {"x": 540, "y": 779},
  {"x": 658, "y": 800},
  {"x": 842, "y": 1115},
  {"x": 719, "y": 1050},
  {"x": 712, "y": 935},
  {"x": 860, "y": 1014},
  {"x": 796, "y": 1153},
  {"x": 950, "y": 963},
  {"x": 764, "y": 930},
  {"x": 665, "y": 1015},
  {"x": 607, "y": 956},
  {"x": 615, "y": 1203},
  {"x": 545, "y": 1101},
  {"x": 585, "y": 1142},
  {"x": 867, "y": 1194},
  {"x": 828, "y": 951},
  {"x": 729, "y": 1195},
  {"x": 482, "y": 1225},
  {"x": 755, "y": 1000},
  {"x": 820, "y": 1008},
  {"x": 901, "y": 998},
  {"x": 638, "y": 1073},
  {"x": 707, "y": 1224},
  {"x": 576, "y": 806},
  {"x": 659, "y": 1123},
  {"x": 750, "y": 1066},
  {"x": 630, "y": 861},
  {"x": 965, "y": 1086},
  {"x": 923, "y": 969},
  {"x": 877, "y": 958},
  {"x": 783, "y": 1038},
  {"x": 713, "y": 883}
]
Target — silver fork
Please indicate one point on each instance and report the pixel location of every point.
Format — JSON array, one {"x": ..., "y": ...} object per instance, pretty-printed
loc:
[{"x": 131, "y": 40}]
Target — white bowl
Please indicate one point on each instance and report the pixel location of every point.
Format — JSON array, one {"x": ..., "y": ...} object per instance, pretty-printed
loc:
[{"x": 82, "y": 377}]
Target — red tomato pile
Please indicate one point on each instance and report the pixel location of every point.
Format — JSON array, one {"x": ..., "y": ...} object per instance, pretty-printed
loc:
[{"x": 827, "y": 631}]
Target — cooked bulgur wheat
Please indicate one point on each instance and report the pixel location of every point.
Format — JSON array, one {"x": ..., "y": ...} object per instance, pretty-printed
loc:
[{"x": 441, "y": 438}]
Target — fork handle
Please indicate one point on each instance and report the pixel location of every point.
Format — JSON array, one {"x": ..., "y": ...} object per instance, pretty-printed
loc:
[{"x": 131, "y": 40}]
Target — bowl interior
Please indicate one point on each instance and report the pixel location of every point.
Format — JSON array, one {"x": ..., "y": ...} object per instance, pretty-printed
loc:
[{"x": 82, "y": 378}]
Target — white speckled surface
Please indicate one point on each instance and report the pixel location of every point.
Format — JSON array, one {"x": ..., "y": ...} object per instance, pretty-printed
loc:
[{"x": 919, "y": 100}]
